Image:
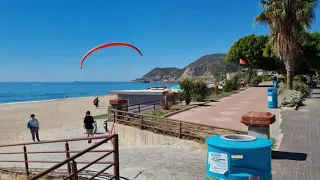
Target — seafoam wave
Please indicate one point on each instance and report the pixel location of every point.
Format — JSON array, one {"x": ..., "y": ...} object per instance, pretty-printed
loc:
[{"x": 37, "y": 92}]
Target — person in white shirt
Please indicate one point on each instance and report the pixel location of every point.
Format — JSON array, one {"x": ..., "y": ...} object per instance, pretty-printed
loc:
[{"x": 33, "y": 125}]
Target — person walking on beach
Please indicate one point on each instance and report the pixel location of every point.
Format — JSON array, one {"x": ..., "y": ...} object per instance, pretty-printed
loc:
[
  {"x": 33, "y": 125},
  {"x": 88, "y": 124},
  {"x": 96, "y": 102}
]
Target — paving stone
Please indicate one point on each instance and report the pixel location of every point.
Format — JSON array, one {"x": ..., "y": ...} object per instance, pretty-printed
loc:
[{"x": 301, "y": 139}]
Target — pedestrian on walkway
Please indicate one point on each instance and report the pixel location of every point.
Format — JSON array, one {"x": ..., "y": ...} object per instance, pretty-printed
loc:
[
  {"x": 88, "y": 124},
  {"x": 33, "y": 125}
]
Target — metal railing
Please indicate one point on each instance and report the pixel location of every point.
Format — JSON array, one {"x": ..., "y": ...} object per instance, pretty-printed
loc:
[
  {"x": 142, "y": 107},
  {"x": 72, "y": 171},
  {"x": 176, "y": 128}
]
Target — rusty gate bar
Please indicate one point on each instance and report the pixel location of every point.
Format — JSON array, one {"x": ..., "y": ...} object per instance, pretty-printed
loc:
[
  {"x": 67, "y": 156},
  {"x": 26, "y": 159},
  {"x": 55, "y": 141},
  {"x": 72, "y": 158},
  {"x": 116, "y": 158},
  {"x": 66, "y": 151},
  {"x": 74, "y": 170}
]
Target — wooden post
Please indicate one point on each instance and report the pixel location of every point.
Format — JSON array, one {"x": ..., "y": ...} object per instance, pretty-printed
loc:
[
  {"x": 141, "y": 125},
  {"x": 109, "y": 113},
  {"x": 154, "y": 105},
  {"x": 26, "y": 160},
  {"x": 74, "y": 171},
  {"x": 180, "y": 129},
  {"x": 116, "y": 169},
  {"x": 139, "y": 108},
  {"x": 66, "y": 145},
  {"x": 114, "y": 116}
]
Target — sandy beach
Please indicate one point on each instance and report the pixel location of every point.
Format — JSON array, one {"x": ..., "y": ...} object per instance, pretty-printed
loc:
[{"x": 55, "y": 117}]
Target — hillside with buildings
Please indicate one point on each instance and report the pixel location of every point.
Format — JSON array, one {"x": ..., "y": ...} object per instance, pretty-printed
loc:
[{"x": 207, "y": 67}]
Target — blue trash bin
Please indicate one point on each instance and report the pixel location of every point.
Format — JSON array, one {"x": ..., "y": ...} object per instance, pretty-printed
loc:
[
  {"x": 272, "y": 98},
  {"x": 238, "y": 157}
]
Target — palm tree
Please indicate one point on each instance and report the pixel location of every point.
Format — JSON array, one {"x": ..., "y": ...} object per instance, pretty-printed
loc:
[{"x": 287, "y": 20}]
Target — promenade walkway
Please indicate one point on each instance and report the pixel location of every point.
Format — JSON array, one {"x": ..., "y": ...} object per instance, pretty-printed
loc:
[
  {"x": 299, "y": 156},
  {"x": 228, "y": 111}
]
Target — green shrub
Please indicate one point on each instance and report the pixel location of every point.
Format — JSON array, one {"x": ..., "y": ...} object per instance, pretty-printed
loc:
[
  {"x": 281, "y": 78},
  {"x": 266, "y": 78},
  {"x": 302, "y": 87},
  {"x": 228, "y": 87},
  {"x": 297, "y": 78},
  {"x": 282, "y": 88},
  {"x": 291, "y": 98},
  {"x": 255, "y": 79},
  {"x": 231, "y": 85},
  {"x": 180, "y": 96},
  {"x": 199, "y": 90},
  {"x": 187, "y": 86},
  {"x": 166, "y": 106},
  {"x": 238, "y": 76}
]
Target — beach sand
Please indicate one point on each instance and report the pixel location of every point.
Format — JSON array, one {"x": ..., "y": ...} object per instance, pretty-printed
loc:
[
  {"x": 55, "y": 117},
  {"x": 62, "y": 119}
]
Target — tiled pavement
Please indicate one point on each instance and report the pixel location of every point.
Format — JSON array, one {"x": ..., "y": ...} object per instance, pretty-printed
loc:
[
  {"x": 228, "y": 111},
  {"x": 301, "y": 141}
]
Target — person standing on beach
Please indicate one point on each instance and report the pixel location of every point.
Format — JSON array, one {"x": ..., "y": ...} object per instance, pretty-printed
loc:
[
  {"x": 88, "y": 124},
  {"x": 33, "y": 125},
  {"x": 96, "y": 102}
]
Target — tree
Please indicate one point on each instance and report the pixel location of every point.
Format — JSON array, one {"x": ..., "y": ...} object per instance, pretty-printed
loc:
[
  {"x": 311, "y": 53},
  {"x": 288, "y": 21},
  {"x": 200, "y": 90},
  {"x": 251, "y": 48},
  {"x": 187, "y": 86}
]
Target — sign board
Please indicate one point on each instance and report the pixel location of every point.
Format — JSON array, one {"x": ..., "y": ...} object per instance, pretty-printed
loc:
[
  {"x": 218, "y": 162},
  {"x": 269, "y": 98}
]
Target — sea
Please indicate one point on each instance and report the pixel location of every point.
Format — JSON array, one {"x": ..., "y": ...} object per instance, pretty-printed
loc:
[{"x": 21, "y": 92}]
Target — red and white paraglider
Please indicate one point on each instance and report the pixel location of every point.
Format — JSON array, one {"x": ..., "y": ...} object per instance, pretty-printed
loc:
[{"x": 108, "y": 45}]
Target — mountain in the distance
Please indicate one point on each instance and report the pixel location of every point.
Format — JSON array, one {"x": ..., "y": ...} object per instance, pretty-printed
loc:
[{"x": 207, "y": 67}]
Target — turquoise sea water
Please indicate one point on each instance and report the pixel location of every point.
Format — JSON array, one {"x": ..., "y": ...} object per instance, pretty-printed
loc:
[{"x": 22, "y": 92}]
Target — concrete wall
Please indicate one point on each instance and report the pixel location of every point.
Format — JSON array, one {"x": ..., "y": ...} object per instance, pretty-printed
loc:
[
  {"x": 138, "y": 99},
  {"x": 134, "y": 137}
]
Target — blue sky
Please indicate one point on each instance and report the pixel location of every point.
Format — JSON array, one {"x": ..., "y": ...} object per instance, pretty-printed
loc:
[{"x": 44, "y": 40}]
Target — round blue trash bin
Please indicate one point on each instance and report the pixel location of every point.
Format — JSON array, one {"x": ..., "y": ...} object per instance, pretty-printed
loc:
[
  {"x": 272, "y": 98},
  {"x": 238, "y": 157}
]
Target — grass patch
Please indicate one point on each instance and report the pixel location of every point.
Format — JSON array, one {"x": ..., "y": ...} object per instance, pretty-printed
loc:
[
  {"x": 215, "y": 97},
  {"x": 101, "y": 116},
  {"x": 275, "y": 144},
  {"x": 161, "y": 112},
  {"x": 7, "y": 175}
]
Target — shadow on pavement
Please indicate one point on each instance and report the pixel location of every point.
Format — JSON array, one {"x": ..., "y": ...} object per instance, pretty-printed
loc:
[
  {"x": 289, "y": 155},
  {"x": 262, "y": 86},
  {"x": 205, "y": 105}
]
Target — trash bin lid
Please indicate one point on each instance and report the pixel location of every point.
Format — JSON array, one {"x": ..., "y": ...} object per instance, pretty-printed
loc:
[{"x": 236, "y": 141}]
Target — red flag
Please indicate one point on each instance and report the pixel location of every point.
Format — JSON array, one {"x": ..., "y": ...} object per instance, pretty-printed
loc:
[{"x": 243, "y": 62}]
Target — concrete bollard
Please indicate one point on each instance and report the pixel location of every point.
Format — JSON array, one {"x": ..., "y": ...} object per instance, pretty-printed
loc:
[{"x": 258, "y": 123}]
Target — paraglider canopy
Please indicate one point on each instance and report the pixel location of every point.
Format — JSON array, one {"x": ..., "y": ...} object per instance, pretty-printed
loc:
[{"x": 108, "y": 45}]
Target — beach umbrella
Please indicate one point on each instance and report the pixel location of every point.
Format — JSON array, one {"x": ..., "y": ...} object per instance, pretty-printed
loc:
[{"x": 108, "y": 45}]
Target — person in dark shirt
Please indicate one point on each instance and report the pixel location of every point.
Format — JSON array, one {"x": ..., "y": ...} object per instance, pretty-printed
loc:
[
  {"x": 96, "y": 102},
  {"x": 88, "y": 125}
]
